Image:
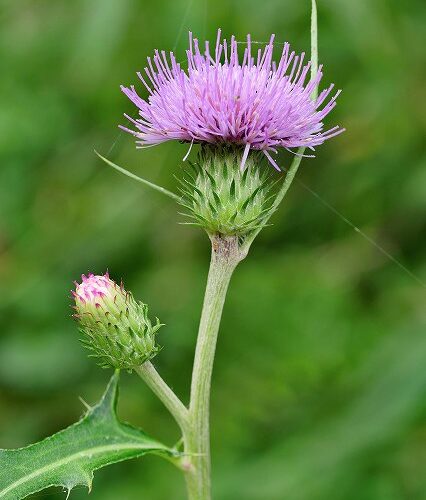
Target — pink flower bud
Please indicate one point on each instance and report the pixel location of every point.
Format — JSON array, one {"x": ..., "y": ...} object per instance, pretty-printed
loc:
[{"x": 116, "y": 327}]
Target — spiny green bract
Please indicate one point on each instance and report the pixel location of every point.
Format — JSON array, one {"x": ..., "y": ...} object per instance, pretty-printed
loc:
[
  {"x": 121, "y": 342},
  {"x": 115, "y": 327},
  {"x": 222, "y": 198}
]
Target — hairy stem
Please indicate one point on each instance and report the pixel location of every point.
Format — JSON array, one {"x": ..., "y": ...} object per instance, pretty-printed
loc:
[
  {"x": 159, "y": 387},
  {"x": 225, "y": 257}
]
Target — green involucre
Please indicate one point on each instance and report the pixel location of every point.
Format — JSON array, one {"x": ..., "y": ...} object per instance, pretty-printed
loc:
[
  {"x": 222, "y": 198},
  {"x": 117, "y": 330}
]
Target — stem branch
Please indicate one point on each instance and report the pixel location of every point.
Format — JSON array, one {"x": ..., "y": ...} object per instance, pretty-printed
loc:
[{"x": 159, "y": 387}]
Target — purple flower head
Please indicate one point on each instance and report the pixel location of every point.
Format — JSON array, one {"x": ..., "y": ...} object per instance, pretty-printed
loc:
[
  {"x": 255, "y": 103},
  {"x": 93, "y": 288}
]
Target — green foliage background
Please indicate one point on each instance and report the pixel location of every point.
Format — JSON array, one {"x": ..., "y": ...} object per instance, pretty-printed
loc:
[{"x": 319, "y": 387}]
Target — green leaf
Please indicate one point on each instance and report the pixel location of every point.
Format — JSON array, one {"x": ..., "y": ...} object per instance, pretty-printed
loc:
[
  {"x": 70, "y": 457},
  {"x": 150, "y": 184}
]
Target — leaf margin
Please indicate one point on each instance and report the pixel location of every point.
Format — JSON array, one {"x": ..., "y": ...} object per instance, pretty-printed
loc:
[{"x": 104, "y": 409}]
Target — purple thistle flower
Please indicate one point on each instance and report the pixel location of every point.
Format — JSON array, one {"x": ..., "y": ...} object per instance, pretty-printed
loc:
[
  {"x": 256, "y": 104},
  {"x": 93, "y": 288}
]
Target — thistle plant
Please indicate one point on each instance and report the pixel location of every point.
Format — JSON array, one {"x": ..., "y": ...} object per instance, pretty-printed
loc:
[{"x": 238, "y": 111}]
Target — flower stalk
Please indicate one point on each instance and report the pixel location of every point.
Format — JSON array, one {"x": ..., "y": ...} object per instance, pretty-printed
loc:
[
  {"x": 165, "y": 394},
  {"x": 225, "y": 256}
]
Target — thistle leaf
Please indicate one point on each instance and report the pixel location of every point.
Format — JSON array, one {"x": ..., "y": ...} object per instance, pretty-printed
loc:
[
  {"x": 133, "y": 176},
  {"x": 70, "y": 457}
]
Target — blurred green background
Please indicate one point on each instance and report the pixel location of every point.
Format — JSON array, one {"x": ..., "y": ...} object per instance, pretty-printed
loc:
[{"x": 319, "y": 384}]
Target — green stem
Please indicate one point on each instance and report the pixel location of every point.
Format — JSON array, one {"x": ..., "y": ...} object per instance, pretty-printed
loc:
[
  {"x": 159, "y": 387},
  {"x": 291, "y": 172},
  {"x": 225, "y": 257},
  {"x": 288, "y": 180}
]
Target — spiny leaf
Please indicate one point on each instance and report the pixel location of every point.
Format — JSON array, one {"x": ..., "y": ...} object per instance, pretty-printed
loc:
[{"x": 69, "y": 457}]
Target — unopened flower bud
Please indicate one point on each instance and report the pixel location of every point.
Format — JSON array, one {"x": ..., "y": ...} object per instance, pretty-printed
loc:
[
  {"x": 224, "y": 198},
  {"x": 115, "y": 326}
]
